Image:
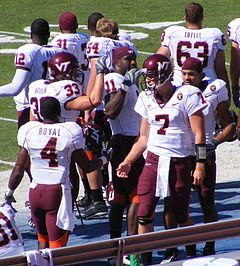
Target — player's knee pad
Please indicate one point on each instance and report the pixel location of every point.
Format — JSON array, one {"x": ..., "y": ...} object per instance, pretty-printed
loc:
[{"x": 144, "y": 220}]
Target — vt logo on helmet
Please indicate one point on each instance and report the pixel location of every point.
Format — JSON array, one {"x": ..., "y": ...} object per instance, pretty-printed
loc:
[
  {"x": 157, "y": 69},
  {"x": 64, "y": 65}
]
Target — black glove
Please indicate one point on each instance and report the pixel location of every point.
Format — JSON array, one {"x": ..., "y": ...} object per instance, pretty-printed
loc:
[
  {"x": 9, "y": 200},
  {"x": 101, "y": 64},
  {"x": 130, "y": 78},
  {"x": 235, "y": 95},
  {"x": 211, "y": 147}
]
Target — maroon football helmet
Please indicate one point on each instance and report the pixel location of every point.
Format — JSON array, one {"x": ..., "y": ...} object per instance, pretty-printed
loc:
[
  {"x": 158, "y": 69},
  {"x": 64, "y": 65}
]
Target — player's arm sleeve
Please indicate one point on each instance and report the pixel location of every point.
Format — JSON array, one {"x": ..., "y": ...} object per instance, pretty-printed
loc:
[
  {"x": 140, "y": 107},
  {"x": 195, "y": 101},
  {"x": 222, "y": 92},
  {"x": 20, "y": 81},
  {"x": 114, "y": 98}
]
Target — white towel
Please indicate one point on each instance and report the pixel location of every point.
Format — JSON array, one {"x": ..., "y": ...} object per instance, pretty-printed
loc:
[
  {"x": 162, "y": 186},
  {"x": 41, "y": 257},
  {"x": 65, "y": 212}
]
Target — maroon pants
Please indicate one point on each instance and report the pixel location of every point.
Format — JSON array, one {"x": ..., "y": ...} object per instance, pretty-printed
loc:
[{"x": 179, "y": 183}]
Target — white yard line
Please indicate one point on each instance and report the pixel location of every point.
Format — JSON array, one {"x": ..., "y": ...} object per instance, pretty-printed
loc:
[{"x": 8, "y": 119}]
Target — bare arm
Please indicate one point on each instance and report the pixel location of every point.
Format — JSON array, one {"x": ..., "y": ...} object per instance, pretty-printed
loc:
[
  {"x": 226, "y": 121},
  {"x": 164, "y": 51},
  {"x": 19, "y": 82},
  {"x": 137, "y": 150},
  {"x": 198, "y": 128},
  {"x": 18, "y": 170},
  {"x": 235, "y": 64},
  {"x": 86, "y": 102},
  {"x": 221, "y": 70},
  {"x": 114, "y": 105}
]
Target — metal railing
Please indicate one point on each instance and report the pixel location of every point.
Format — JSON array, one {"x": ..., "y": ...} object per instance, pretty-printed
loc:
[{"x": 139, "y": 243}]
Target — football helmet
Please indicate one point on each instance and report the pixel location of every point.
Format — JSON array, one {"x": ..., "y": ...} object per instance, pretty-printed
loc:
[
  {"x": 64, "y": 65},
  {"x": 157, "y": 69}
]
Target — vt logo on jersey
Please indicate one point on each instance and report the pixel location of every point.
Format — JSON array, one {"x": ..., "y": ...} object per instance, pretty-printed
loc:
[{"x": 62, "y": 67}]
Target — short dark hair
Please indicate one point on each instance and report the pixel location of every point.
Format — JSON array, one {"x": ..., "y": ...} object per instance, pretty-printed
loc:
[
  {"x": 93, "y": 19},
  {"x": 50, "y": 108},
  {"x": 194, "y": 13},
  {"x": 40, "y": 27}
]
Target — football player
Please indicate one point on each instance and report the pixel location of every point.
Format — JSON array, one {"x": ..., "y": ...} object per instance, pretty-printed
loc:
[
  {"x": 216, "y": 97},
  {"x": 169, "y": 116},
  {"x": 31, "y": 64},
  {"x": 51, "y": 147},
  {"x": 11, "y": 243},
  {"x": 124, "y": 121},
  {"x": 64, "y": 74},
  {"x": 100, "y": 45},
  {"x": 73, "y": 42},
  {"x": 206, "y": 44}
]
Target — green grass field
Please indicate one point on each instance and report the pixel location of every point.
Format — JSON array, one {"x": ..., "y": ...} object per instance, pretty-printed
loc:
[{"x": 18, "y": 14}]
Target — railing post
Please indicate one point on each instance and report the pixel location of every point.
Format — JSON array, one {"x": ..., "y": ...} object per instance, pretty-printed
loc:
[{"x": 121, "y": 246}]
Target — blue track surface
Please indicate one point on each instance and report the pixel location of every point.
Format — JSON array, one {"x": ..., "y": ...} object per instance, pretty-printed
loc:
[{"x": 227, "y": 202}]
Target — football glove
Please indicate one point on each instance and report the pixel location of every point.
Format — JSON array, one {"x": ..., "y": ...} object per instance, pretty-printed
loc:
[
  {"x": 9, "y": 200},
  {"x": 211, "y": 146},
  {"x": 130, "y": 78},
  {"x": 101, "y": 64}
]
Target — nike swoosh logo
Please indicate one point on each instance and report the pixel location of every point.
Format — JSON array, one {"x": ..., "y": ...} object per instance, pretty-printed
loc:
[
  {"x": 174, "y": 104},
  {"x": 147, "y": 164}
]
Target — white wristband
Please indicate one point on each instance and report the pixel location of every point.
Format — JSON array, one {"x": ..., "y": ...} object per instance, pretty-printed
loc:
[
  {"x": 9, "y": 192},
  {"x": 104, "y": 160}
]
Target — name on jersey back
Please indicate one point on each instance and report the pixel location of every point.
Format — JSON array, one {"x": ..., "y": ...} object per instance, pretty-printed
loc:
[
  {"x": 194, "y": 35},
  {"x": 49, "y": 131}
]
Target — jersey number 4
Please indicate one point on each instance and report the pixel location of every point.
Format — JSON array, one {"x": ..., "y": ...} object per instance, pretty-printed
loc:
[{"x": 49, "y": 152}]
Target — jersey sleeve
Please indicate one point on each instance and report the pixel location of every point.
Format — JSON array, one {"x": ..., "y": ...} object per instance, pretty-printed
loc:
[
  {"x": 140, "y": 107},
  {"x": 222, "y": 91},
  {"x": 194, "y": 101},
  {"x": 112, "y": 82},
  {"x": 234, "y": 30},
  {"x": 24, "y": 58},
  {"x": 95, "y": 48},
  {"x": 77, "y": 135},
  {"x": 22, "y": 135},
  {"x": 166, "y": 35},
  {"x": 220, "y": 39}
]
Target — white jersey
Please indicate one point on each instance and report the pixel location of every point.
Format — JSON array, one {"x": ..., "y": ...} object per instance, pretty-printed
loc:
[
  {"x": 128, "y": 121},
  {"x": 234, "y": 31},
  {"x": 215, "y": 93},
  {"x": 50, "y": 147},
  {"x": 63, "y": 90},
  {"x": 102, "y": 46},
  {"x": 11, "y": 243},
  {"x": 202, "y": 44},
  {"x": 33, "y": 58},
  {"x": 76, "y": 44},
  {"x": 170, "y": 132}
]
